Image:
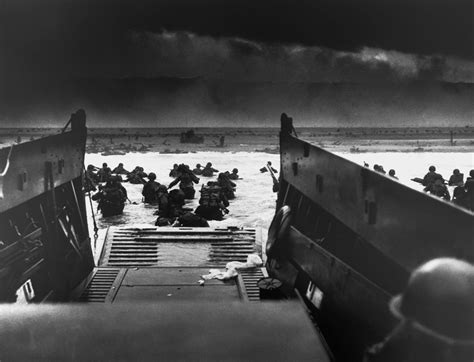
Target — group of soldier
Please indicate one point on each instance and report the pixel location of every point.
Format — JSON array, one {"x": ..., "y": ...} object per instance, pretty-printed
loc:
[
  {"x": 111, "y": 195},
  {"x": 94, "y": 176},
  {"x": 380, "y": 169},
  {"x": 463, "y": 193},
  {"x": 435, "y": 184},
  {"x": 213, "y": 202}
]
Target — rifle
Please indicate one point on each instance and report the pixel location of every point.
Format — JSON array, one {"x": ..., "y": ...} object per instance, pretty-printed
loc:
[
  {"x": 276, "y": 184},
  {"x": 417, "y": 180},
  {"x": 420, "y": 180}
]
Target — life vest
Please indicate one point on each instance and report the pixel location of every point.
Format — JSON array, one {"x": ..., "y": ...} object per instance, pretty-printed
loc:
[
  {"x": 114, "y": 196},
  {"x": 210, "y": 196},
  {"x": 150, "y": 191}
]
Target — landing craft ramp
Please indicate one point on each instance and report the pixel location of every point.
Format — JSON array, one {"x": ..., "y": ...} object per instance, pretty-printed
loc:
[
  {"x": 159, "y": 264},
  {"x": 147, "y": 281}
]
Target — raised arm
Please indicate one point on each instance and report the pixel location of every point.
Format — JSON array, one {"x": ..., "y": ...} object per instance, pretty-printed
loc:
[{"x": 176, "y": 180}]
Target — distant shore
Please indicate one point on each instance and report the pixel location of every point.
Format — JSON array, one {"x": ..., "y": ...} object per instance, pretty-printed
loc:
[{"x": 354, "y": 140}]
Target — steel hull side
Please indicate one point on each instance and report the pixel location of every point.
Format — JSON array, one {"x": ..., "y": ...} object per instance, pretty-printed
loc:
[
  {"x": 32, "y": 166},
  {"x": 45, "y": 238},
  {"x": 356, "y": 235},
  {"x": 408, "y": 226},
  {"x": 353, "y": 311}
]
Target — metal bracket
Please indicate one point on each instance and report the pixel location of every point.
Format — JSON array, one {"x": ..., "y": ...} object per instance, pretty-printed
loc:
[
  {"x": 371, "y": 211},
  {"x": 22, "y": 180},
  {"x": 294, "y": 167},
  {"x": 319, "y": 183},
  {"x": 60, "y": 166}
]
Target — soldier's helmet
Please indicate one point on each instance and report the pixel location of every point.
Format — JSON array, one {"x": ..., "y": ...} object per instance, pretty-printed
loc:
[
  {"x": 235, "y": 170},
  {"x": 439, "y": 300},
  {"x": 208, "y": 164},
  {"x": 432, "y": 168},
  {"x": 162, "y": 189},
  {"x": 198, "y": 165},
  {"x": 152, "y": 176}
]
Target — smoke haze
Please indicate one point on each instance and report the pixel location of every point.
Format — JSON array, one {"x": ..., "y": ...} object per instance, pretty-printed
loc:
[{"x": 162, "y": 62}]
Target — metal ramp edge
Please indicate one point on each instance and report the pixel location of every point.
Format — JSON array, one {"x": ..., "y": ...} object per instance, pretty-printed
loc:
[
  {"x": 102, "y": 285},
  {"x": 247, "y": 281}
]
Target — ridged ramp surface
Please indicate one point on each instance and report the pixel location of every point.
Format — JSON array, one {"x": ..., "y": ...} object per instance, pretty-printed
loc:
[
  {"x": 99, "y": 287},
  {"x": 250, "y": 277},
  {"x": 140, "y": 247}
]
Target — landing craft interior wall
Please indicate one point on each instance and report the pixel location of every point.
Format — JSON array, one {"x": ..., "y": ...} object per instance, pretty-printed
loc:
[
  {"x": 32, "y": 165},
  {"x": 355, "y": 236},
  {"x": 45, "y": 241},
  {"x": 408, "y": 226}
]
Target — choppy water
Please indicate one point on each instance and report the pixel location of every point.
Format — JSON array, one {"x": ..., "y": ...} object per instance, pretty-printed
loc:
[
  {"x": 255, "y": 202},
  {"x": 253, "y": 206}
]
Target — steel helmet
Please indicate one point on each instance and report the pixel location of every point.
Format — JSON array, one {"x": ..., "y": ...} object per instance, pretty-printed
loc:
[
  {"x": 152, "y": 176},
  {"x": 162, "y": 189},
  {"x": 439, "y": 300}
]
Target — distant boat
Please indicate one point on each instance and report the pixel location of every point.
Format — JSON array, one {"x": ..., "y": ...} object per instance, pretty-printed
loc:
[{"x": 191, "y": 137}]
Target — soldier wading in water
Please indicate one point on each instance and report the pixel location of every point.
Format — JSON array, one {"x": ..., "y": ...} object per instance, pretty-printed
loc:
[
  {"x": 186, "y": 178},
  {"x": 111, "y": 197},
  {"x": 150, "y": 189}
]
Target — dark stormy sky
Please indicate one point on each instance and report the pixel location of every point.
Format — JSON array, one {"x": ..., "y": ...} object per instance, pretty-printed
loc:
[{"x": 47, "y": 44}]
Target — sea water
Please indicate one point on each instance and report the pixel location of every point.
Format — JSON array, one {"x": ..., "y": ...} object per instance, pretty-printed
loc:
[{"x": 254, "y": 204}]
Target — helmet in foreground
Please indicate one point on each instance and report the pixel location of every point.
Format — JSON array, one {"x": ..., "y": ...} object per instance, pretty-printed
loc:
[{"x": 439, "y": 300}]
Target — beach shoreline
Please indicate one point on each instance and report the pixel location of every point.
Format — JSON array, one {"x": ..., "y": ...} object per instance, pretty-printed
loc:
[
  {"x": 354, "y": 140},
  {"x": 268, "y": 142}
]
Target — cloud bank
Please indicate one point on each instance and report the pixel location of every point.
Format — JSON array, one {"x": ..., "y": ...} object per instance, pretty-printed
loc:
[{"x": 186, "y": 54}]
